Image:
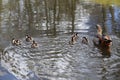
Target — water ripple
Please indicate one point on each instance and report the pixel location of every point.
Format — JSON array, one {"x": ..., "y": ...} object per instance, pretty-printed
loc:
[{"x": 55, "y": 59}]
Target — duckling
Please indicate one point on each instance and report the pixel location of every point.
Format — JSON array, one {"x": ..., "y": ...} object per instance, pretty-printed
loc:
[
  {"x": 84, "y": 40},
  {"x": 76, "y": 36},
  {"x": 16, "y": 42},
  {"x": 28, "y": 38},
  {"x": 73, "y": 40},
  {"x": 13, "y": 41},
  {"x": 34, "y": 44}
]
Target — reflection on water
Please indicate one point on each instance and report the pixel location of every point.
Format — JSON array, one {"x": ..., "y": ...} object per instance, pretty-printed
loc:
[
  {"x": 62, "y": 16},
  {"x": 51, "y": 22}
]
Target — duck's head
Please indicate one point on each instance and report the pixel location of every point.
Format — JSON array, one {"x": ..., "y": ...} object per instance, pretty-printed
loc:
[
  {"x": 13, "y": 41},
  {"x": 17, "y": 40},
  {"x": 98, "y": 26},
  {"x": 76, "y": 34},
  {"x": 27, "y": 36},
  {"x": 34, "y": 41},
  {"x": 84, "y": 40},
  {"x": 107, "y": 42},
  {"x": 13, "y": 38}
]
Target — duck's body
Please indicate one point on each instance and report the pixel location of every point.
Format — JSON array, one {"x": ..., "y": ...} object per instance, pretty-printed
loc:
[
  {"x": 34, "y": 44},
  {"x": 73, "y": 40},
  {"x": 84, "y": 40},
  {"x": 28, "y": 38},
  {"x": 103, "y": 42},
  {"x": 16, "y": 42}
]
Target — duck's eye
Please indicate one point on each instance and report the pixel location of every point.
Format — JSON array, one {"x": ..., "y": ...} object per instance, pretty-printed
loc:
[
  {"x": 108, "y": 41},
  {"x": 105, "y": 39}
]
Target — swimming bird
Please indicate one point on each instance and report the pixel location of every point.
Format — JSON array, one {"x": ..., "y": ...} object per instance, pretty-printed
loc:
[
  {"x": 16, "y": 42},
  {"x": 103, "y": 42},
  {"x": 84, "y": 40},
  {"x": 28, "y": 38},
  {"x": 34, "y": 44},
  {"x": 74, "y": 38}
]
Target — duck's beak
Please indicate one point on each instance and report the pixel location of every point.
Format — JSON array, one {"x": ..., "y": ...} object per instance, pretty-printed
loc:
[{"x": 108, "y": 42}]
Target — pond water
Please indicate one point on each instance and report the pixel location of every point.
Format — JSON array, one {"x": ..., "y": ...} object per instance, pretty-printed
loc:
[{"x": 51, "y": 27}]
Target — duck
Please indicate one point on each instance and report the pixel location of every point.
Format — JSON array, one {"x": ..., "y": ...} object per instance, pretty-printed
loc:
[
  {"x": 103, "y": 42},
  {"x": 74, "y": 38},
  {"x": 102, "y": 38},
  {"x": 28, "y": 38},
  {"x": 84, "y": 40},
  {"x": 34, "y": 44},
  {"x": 16, "y": 42}
]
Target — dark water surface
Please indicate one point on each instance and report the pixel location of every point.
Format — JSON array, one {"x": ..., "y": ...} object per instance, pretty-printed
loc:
[{"x": 51, "y": 23}]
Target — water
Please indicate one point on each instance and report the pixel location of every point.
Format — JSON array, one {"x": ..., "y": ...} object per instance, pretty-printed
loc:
[
  {"x": 55, "y": 58},
  {"x": 60, "y": 61}
]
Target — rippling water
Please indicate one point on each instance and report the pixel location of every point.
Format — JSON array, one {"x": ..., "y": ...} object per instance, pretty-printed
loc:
[{"x": 55, "y": 59}]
